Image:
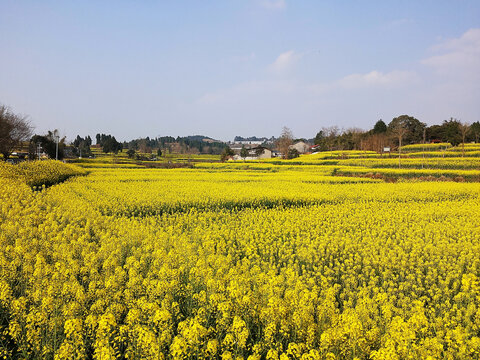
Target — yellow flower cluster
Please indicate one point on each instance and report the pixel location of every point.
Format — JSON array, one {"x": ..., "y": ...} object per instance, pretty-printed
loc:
[
  {"x": 239, "y": 264},
  {"x": 467, "y": 147},
  {"x": 426, "y": 147},
  {"x": 473, "y": 175},
  {"x": 467, "y": 168},
  {"x": 416, "y": 163},
  {"x": 432, "y": 160},
  {"x": 38, "y": 173}
]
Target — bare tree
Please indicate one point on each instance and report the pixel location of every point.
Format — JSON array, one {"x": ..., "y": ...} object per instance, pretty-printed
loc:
[
  {"x": 399, "y": 131},
  {"x": 143, "y": 147},
  {"x": 14, "y": 129},
  {"x": 464, "y": 129},
  {"x": 376, "y": 142},
  {"x": 357, "y": 135},
  {"x": 284, "y": 141},
  {"x": 331, "y": 135}
]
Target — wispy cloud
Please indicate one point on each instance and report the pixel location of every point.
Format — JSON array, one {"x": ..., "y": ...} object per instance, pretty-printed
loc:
[
  {"x": 274, "y": 4},
  {"x": 285, "y": 61},
  {"x": 447, "y": 85},
  {"x": 284, "y": 88},
  {"x": 454, "y": 82},
  {"x": 470, "y": 39},
  {"x": 459, "y": 57},
  {"x": 377, "y": 78}
]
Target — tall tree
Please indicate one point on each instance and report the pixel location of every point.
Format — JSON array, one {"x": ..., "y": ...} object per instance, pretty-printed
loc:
[
  {"x": 81, "y": 146},
  {"x": 284, "y": 141},
  {"x": 475, "y": 130},
  {"x": 244, "y": 152},
  {"x": 413, "y": 128},
  {"x": 464, "y": 129},
  {"x": 14, "y": 129},
  {"x": 376, "y": 142},
  {"x": 450, "y": 131},
  {"x": 320, "y": 140},
  {"x": 349, "y": 139},
  {"x": 380, "y": 127},
  {"x": 226, "y": 153},
  {"x": 435, "y": 133},
  {"x": 110, "y": 144},
  {"x": 399, "y": 129},
  {"x": 328, "y": 138},
  {"x": 48, "y": 143}
]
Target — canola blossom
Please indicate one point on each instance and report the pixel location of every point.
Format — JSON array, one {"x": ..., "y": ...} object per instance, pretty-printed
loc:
[
  {"x": 38, "y": 173},
  {"x": 231, "y": 262}
]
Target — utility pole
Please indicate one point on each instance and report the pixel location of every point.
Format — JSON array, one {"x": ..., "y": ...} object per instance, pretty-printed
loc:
[
  {"x": 39, "y": 148},
  {"x": 424, "y": 133},
  {"x": 55, "y": 134}
]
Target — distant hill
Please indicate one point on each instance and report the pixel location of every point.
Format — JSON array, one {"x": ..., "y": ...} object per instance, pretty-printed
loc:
[
  {"x": 202, "y": 138},
  {"x": 187, "y": 144}
]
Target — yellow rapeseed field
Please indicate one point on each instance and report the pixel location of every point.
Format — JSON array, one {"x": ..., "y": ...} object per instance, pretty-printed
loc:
[
  {"x": 38, "y": 173},
  {"x": 237, "y": 262}
]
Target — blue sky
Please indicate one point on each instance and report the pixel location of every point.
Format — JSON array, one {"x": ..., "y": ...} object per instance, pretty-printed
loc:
[{"x": 231, "y": 67}]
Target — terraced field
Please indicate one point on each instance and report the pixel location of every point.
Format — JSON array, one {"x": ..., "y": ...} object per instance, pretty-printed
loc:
[{"x": 244, "y": 260}]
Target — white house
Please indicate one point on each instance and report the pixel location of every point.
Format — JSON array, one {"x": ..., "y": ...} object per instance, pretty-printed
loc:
[{"x": 255, "y": 153}]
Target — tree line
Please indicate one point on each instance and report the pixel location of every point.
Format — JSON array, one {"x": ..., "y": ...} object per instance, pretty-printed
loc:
[
  {"x": 180, "y": 145},
  {"x": 401, "y": 130},
  {"x": 16, "y": 129}
]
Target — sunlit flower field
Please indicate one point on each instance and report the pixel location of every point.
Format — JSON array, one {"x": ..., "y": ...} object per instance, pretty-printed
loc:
[{"x": 237, "y": 262}]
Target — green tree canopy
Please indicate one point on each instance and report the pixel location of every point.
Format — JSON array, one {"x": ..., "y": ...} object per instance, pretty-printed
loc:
[
  {"x": 244, "y": 152},
  {"x": 414, "y": 128},
  {"x": 475, "y": 131},
  {"x": 226, "y": 153},
  {"x": 81, "y": 146},
  {"x": 448, "y": 131},
  {"x": 110, "y": 144},
  {"x": 380, "y": 127},
  {"x": 131, "y": 153},
  {"x": 48, "y": 144}
]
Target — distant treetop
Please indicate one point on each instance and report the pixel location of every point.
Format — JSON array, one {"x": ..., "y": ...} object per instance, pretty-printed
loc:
[{"x": 250, "y": 138}]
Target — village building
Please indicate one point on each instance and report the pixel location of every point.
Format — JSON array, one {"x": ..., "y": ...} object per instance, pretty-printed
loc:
[
  {"x": 254, "y": 153},
  {"x": 301, "y": 147}
]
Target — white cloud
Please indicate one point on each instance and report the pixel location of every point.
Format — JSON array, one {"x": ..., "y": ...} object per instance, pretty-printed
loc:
[
  {"x": 448, "y": 84},
  {"x": 453, "y": 85},
  {"x": 469, "y": 40},
  {"x": 355, "y": 100},
  {"x": 285, "y": 61},
  {"x": 459, "y": 58},
  {"x": 282, "y": 87},
  {"x": 377, "y": 78},
  {"x": 274, "y": 4}
]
